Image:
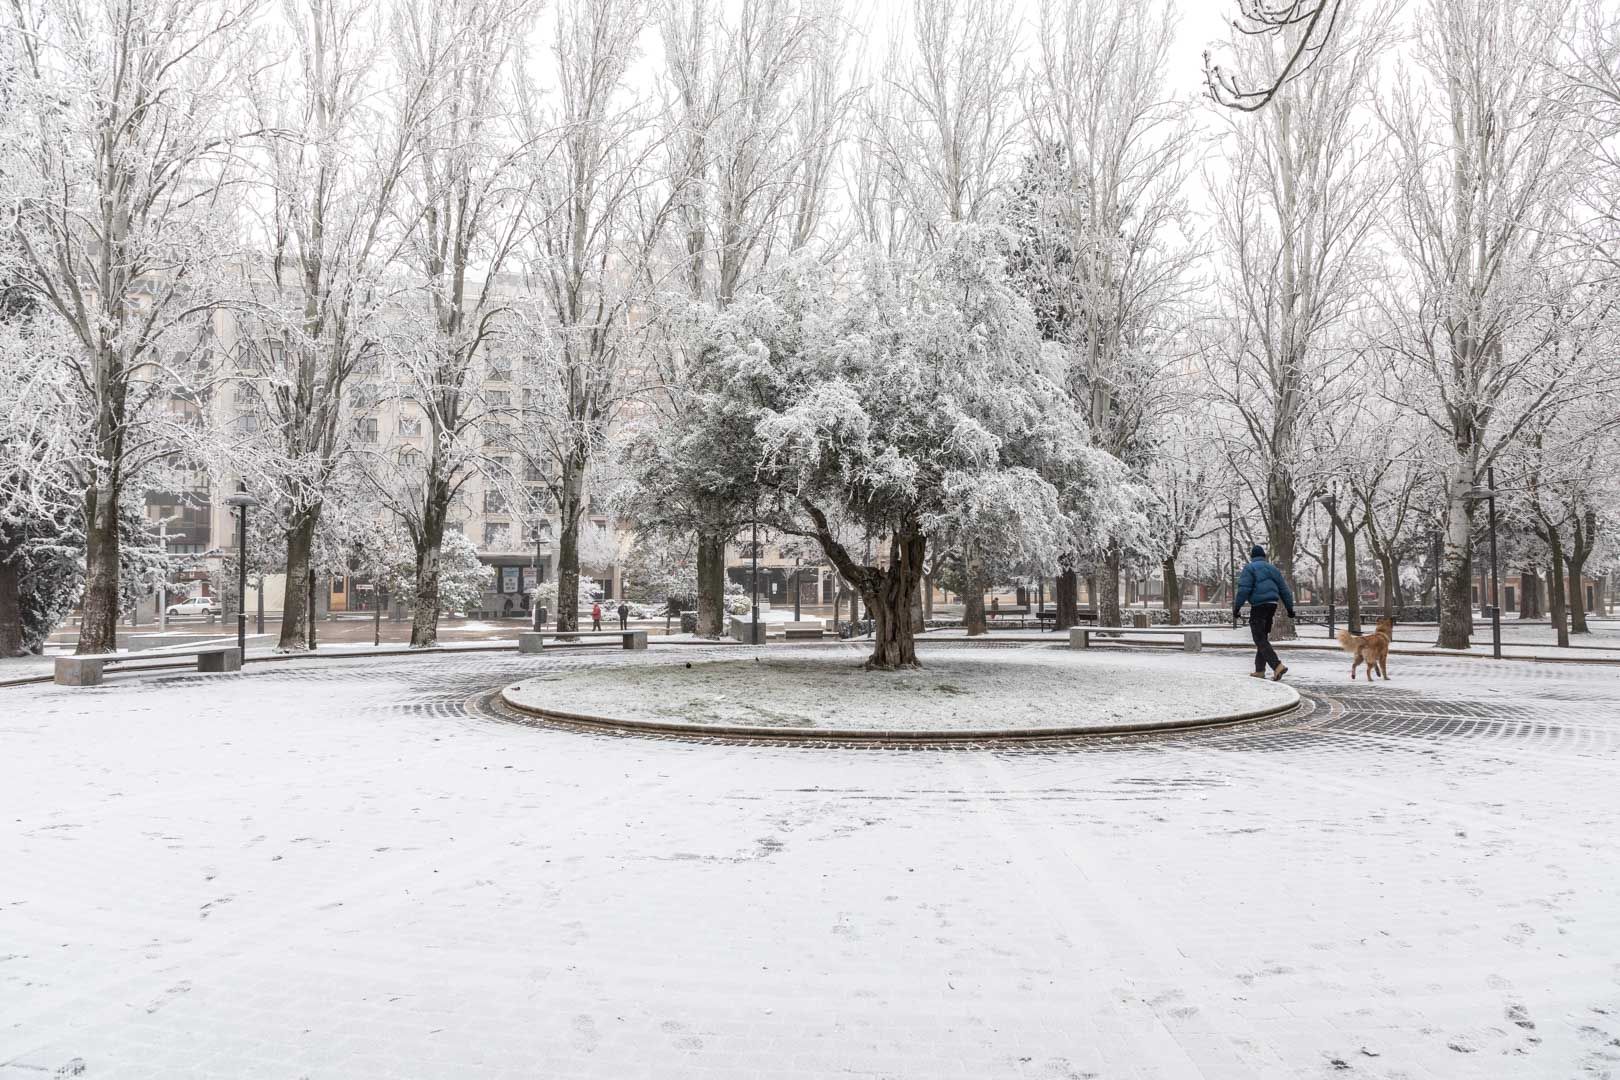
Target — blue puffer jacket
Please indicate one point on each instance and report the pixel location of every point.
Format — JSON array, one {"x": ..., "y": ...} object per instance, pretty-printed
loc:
[{"x": 1262, "y": 583}]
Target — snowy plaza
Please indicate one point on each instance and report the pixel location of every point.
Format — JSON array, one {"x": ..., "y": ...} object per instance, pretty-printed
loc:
[{"x": 364, "y": 868}]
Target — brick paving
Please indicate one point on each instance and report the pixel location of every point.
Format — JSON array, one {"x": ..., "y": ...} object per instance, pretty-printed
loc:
[{"x": 356, "y": 869}]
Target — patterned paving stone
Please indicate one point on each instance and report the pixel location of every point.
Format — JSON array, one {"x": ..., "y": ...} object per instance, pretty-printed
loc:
[{"x": 336, "y": 869}]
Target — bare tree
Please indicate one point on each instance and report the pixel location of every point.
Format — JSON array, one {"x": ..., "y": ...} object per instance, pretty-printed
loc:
[
  {"x": 120, "y": 164},
  {"x": 1490, "y": 158},
  {"x": 463, "y": 200},
  {"x": 1307, "y": 24},
  {"x": 330, "y": 164},
  {"x": 584, "y": 262},
  {"x": 1294, "y": 217}
]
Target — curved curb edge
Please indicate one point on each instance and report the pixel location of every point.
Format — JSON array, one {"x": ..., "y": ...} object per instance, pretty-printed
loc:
[{"x": 874, "y": 735}]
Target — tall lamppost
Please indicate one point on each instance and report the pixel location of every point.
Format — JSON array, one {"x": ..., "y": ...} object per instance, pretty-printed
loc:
[
  {"x": 241, "y": 502},
  {"x": 796, "y": 563},
  {"x": 1333, "y": 557},
  {"x": 1488, "y": 493},
  {"x": 753, "y": 638}
]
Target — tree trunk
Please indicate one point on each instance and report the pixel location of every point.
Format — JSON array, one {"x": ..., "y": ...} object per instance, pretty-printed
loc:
[
  {"x": 1391, "y": 585},
  {"x": 98, "y": 629},
  {"x": 429, "y": 551},
  {"x": 1283, "y": 541},
  {"x": 1068, "y": 599},
  {"x": 711, "y": 572},
  {"x": 1585, "y": 535},
  {"x": 973, "y": 618},
  {"x": 1530, "y": 593},
  {"x": 1456, "y": 604},
  {"x": 1555, "y": 547},
  {"x": 570, "y": 509},
  {"x": 1172, "y": 592},
  {"x": 295, "y": 603},
  {"x": 11, "y": 632},
  {"x": 1108, "y": 588},
  {"x": 891, "y": 595}
]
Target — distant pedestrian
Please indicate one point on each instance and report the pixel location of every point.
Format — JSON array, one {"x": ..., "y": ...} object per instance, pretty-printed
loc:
[
  {"x": 995, "y": 607},
  {"x": 1262, "y": 587},
  {"x": 596, "y": 616},
  {"x": 624, "y": 615}
]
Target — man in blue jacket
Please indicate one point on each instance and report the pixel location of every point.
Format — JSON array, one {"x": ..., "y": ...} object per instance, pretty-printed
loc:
[{"x": 1262, "y": 587}]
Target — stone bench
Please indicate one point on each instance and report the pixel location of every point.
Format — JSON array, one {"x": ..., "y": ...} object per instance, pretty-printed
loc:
[
  {"x": 87, "y": 670},
  {"x": 534, "y": 641},
  {"x": 808, "y": 630},
  {"x": 1192, "y": 639}
]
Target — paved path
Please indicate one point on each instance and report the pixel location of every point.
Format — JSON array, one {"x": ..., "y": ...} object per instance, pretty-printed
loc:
[{"x": 347, "y": 870}]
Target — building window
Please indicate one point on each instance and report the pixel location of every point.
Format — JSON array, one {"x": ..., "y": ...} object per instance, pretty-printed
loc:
[
  {"x": 410, "y": 458},
  {"x": 410, "y": 426},
  {"x": 499, "y": 399},
  {"x": 365, "y": 429},
  {"x": 500, "y": 369},
  {"x": 496, "y": 435},
  {"x": 494, "y": 502},
  {"x": 497, "y": 535},
  {"x": 246, "y": 424}
]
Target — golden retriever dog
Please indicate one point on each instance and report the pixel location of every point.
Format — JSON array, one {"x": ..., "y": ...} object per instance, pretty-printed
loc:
[{"x": 1370, "y": 649}]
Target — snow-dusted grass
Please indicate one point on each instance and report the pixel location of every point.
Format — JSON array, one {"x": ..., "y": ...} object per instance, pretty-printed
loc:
[{"x": 956, "y": 690}]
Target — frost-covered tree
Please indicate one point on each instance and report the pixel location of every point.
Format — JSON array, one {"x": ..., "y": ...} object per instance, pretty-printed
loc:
[
  {"x": 329, "y": 166},
  {"x": 117, "y": 145},
  {"x": 463, "y": 196},
  {"x": 1489, "y": 158},
  {"x": 583, "y": 264},
  {"x": 1294, "y": 216},
  {"x": 914, "y": 399},
  {"x": 755, "y": 102},
  {"x": 1103, "y": 217}
]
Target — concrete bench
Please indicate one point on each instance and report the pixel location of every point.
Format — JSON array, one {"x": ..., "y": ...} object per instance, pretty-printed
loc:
[
  {"x": 534, "y": 641},
  {"x": 87, "y": 670},
  {"x": 1192, "y": 640},
  {"x": 808, "y": 630}
]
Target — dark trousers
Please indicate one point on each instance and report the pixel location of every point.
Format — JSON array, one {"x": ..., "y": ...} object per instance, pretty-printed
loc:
[
  {"x": 1260, "y": 616},
  {"x": 596, "y": 622},
  {"x": 624, "y": 621}
]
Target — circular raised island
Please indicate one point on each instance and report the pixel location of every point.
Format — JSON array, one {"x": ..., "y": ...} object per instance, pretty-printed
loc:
[{"x": 960, "y": 694}]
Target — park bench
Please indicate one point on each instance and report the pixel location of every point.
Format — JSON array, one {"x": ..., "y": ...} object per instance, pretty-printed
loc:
[
  {"x": 533, "y": 641},
  {"x": 1192, "y": 639},
  {"x": 87, "y": 670},
  {"x": 808, "y": 630}
]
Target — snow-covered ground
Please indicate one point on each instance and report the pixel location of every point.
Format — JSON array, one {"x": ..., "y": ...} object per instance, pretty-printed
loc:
[
  {"x": 341, "y": 869},
  {"x": 960, "y": 689}
]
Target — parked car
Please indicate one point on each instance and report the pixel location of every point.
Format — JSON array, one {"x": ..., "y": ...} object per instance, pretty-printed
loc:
[{"x": 195, "y": 605}]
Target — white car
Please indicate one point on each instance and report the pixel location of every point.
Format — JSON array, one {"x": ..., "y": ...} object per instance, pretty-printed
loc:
[{"x": 195, "y": 605}]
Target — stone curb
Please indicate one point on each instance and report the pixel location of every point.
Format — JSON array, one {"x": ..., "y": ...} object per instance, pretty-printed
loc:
[{"x": 875, "y": 735}]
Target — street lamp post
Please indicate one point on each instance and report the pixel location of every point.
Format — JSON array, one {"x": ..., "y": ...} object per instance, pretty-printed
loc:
[
  {"x": 164, "y": 536},
  {"x": 753, "y": 638},
  {"x": 241, "y": 502},
  {"x": 796, "y": 563},
  {"x": 1488, "y": 493},
  {"x": 1231, "y": 557},
  {"x": 1333, "y": 557}
]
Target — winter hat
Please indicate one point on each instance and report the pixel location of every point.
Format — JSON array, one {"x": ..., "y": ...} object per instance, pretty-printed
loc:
[{"x": 1257, "y": 552}]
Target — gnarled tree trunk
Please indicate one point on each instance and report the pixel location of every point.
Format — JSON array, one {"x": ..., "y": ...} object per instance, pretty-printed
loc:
[
  {"x": 890, "y": 593},
  {"x": 1108, "y": 588},
  {"x": 1584, "y": 539},
  {"x": 1557, "y": 594},
  {"x": 711, "y": 575},
  {"x": 296, "y": 600},
  {"x": 98, "y": 629},
  {"x": 1530, "y": 592},
  {"x": 1068, "y": 599}
]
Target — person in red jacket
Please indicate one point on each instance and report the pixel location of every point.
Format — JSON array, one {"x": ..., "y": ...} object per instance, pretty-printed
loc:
[{"x": 596, "y": 616}]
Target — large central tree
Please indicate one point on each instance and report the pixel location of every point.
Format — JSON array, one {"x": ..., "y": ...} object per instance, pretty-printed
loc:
[{"x": 915, "y": 403}]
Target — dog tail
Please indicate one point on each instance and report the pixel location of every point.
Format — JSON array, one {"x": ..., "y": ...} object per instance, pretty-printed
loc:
[{"x": 1348, "y": 641}]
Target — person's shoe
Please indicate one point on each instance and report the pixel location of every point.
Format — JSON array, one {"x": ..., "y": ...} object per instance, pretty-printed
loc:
[
  {"x": 1276, "y": 676},
  {"x": 1257, "y": 674}
]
